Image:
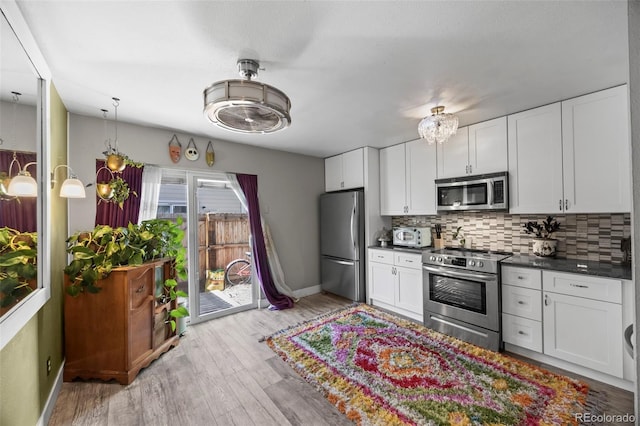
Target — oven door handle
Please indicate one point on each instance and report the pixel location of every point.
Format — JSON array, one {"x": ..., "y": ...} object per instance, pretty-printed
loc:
[{"x": 458, "y": 274}]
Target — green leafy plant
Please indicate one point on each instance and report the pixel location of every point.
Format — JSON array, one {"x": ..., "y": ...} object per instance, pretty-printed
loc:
[
  {"x": 97, "y": 252},
  {"x": 120, "y": 192},
  {"x": 458, "y": 235},
  {"x": 18, "y": 265},
  {"x": 544, "y": 230}
]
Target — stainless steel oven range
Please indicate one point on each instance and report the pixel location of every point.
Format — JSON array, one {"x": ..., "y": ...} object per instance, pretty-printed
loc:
[{"x": 462, "y": 296}]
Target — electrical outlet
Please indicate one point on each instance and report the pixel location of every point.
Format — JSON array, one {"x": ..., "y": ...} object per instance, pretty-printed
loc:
[{"x": 48, "y": 365}]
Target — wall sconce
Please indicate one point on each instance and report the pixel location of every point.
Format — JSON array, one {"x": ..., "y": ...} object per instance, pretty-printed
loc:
[
  {"x": 71, "y": 187},
  {"x": 22, "y": 185}
]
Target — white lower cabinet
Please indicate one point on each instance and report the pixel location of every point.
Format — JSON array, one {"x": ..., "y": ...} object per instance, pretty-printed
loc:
[
  {"x": 582, "y": 317},
  {"x": 522, "y": 307},
  {"x": 395, "y": 281}
]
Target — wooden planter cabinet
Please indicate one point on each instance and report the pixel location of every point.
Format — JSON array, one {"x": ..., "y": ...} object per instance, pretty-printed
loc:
[{"x": 115, "y": 333}]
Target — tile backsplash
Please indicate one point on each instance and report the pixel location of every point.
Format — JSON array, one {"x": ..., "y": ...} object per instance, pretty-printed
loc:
[{"x": 595, "y": 237}]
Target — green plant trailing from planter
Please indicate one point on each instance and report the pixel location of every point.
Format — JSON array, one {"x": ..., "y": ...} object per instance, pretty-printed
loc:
[
  {"x": 18, "y": 264},
  {"x": 545, "y": 230},
  {"x": 121, "y": 192},
  {"x": 97, "y": 252}
]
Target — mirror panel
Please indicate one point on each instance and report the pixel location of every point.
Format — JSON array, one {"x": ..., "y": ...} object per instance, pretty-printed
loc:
[{"x": 24, "y": 129}]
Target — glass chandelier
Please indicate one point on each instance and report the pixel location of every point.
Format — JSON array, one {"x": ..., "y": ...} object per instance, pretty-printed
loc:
[{"x": 438, "y": 127}]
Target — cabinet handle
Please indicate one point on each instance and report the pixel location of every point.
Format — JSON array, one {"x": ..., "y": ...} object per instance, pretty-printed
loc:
[
  {"x": 522, "y": 333},
  {"x": 520, "y": 302},
  {"x": 470, "y": 168},
  {"x": 547, "y": 301},
  {"x": 579, "y": 285},
  {"x": 140, "y": 289},
  {"x": 566, "y": 204},
  {"x": 466, "y": 168},
  {"x": 560, "y": 204},
  {"x": 520, "y": 277}
]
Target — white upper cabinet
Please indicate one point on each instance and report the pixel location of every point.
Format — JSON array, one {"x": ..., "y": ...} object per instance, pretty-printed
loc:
[
  {"x": 473, "y": 150},
  {"x": 535, "y": 160},
  {"x": 488, "y": 146},
  {"x": 453, "y": 155},
  {"x": 571, "y": 157},
  {"x": 407, "y": 174},
  {"x": 392, "y": 180},
  {"x": 344, "y": 171},
  {"x": 596, "y": 152}
]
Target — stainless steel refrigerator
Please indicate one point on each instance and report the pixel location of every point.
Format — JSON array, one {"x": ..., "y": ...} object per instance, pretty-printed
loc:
[{"x": 342, "y": 244}]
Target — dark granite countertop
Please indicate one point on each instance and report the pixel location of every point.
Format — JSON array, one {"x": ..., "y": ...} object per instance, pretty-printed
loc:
[{"x": 600, "y": 269}]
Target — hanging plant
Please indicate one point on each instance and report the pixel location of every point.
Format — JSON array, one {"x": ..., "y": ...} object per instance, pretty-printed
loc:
[{"x": 120, "y": 191}]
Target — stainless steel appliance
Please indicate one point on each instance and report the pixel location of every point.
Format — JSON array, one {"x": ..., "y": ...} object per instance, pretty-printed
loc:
[
  {"x": 342, "y": 244},
  {"x": 462, "y": 296},
  {"x": 480, "y": 192},
  {"x": 412, "y": 237}
]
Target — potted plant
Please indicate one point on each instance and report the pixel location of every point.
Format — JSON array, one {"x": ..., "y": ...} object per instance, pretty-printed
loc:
[
  {"x": 97, "y": 252},
  {"x": 543, "y": 244},
  {"x": 18, "y": 266}
]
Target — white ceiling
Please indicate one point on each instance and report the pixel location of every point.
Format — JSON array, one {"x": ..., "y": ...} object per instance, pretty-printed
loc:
[{"x": 357, "y": 73}]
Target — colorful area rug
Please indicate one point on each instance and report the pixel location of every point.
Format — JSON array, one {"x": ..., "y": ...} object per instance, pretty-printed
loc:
[{"x": 381, "y": 370}]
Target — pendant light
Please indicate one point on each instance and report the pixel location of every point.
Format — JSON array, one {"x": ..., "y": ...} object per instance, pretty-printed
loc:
[
  {"x": 438, "y": 127},
  {"x": 71, "y": 187}
]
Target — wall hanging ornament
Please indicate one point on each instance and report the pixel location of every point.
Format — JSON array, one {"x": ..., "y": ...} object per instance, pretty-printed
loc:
[
  {"x": 191, "y": 153},
  {"x": 210, "y": 155},
  {"x": 175, "y": 149}
]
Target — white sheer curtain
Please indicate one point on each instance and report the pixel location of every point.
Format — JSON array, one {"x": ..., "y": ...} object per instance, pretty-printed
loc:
[
  {"x": 151, "y": 178},
  {"x": 274, "y": 262}
]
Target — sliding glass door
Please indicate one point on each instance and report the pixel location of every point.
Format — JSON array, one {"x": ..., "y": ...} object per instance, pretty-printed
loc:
[{"x": 221, "y": 276}]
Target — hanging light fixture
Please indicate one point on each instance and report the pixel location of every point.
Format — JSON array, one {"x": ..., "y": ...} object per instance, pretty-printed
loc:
[
  {"x": 438, "y": 127},
  {"x": 22, "y": 185},
  {"x": 247, "y": 106},
  {"x": 71, "y": 187}
]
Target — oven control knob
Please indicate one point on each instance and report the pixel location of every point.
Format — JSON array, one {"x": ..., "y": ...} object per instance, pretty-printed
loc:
[
  {"x": 480, "y": 264},
  {"x": 439, "y": 259},
  {"x": 432, "y": 258},
  {"x": 472, "y": 263}
]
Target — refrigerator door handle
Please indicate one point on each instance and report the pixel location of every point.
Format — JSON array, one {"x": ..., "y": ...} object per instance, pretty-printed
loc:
[
  {"x": 353, "y": 223},
  {"x": 341, "y": 262}
]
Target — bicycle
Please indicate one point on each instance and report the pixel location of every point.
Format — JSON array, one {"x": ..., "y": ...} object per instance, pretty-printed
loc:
[{"x": 238, "y": 271}]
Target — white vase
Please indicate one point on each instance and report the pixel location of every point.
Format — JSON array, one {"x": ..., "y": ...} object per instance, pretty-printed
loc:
[{"x": 544, "y": 247}]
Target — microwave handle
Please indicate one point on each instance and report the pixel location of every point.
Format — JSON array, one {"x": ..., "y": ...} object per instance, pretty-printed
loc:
[{"x": 491, "y": 191}]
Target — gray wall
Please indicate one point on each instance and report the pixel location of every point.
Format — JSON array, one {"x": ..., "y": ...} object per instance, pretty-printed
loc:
[{"x": 289, "y": 184}]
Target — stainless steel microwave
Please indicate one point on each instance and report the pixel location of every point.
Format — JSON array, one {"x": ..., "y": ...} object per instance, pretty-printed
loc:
[{"x": 469, "y": 193}]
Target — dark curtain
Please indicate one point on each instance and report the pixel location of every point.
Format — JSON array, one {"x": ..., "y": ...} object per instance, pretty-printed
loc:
[
  {"x": 249, "y": 185},
  {"x": 20, "y": 214},
  {"x": 111, "y": 214}
]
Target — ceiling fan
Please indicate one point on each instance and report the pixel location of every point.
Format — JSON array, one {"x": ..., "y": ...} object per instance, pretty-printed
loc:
[{"x": 247, "y": 106}]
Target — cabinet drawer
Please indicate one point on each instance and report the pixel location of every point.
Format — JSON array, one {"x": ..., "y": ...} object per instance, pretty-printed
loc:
[
  {"x": 381, "y": 256},
  {"x": 522, "y": 277},
  {"x": 590, "y": 287},
  {"x": 408, "y": 260},
  {"x": 522, "y": 332},
  {"x": 522, "y": 302}
]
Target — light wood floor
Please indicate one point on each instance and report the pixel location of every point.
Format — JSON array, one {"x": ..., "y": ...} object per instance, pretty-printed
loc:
[{"x": 221, "y": 374}]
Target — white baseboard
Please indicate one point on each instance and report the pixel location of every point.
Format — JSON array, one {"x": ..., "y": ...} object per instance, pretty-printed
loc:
[
  {"x": 307, "y": 291},
  {"x": 51, "y": 400}
]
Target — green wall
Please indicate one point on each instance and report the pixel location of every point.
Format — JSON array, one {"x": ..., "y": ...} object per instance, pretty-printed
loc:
[{"x": 24, "y": 383}]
